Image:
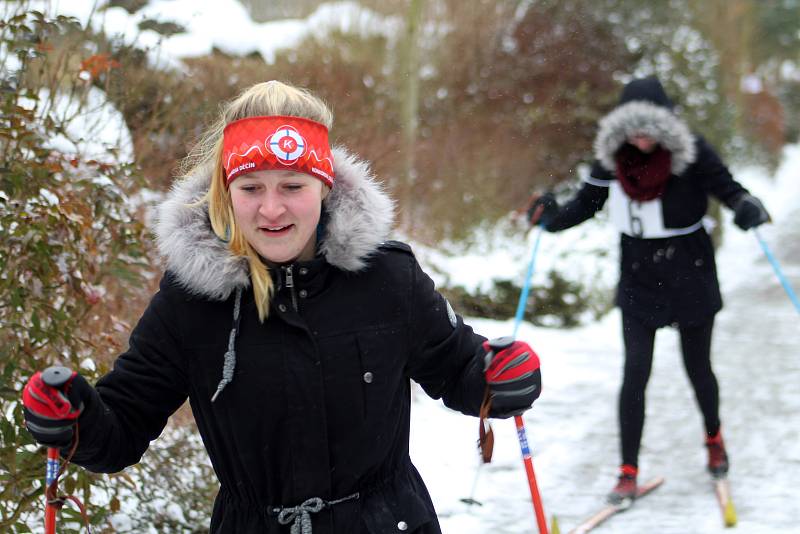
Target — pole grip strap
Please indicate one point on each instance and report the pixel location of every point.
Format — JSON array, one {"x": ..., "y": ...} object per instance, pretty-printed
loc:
[{"x": 485, "y": 434}]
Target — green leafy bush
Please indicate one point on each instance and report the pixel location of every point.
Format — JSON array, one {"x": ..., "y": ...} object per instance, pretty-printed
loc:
[
  {"x": 558, "y": 303},
  {"x": 71, "y": 244}
]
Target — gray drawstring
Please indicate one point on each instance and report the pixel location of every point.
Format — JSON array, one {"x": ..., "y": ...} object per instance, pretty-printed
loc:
[
  {"x": 300, "y": 516},
  {"x": 230, "y": 356}
]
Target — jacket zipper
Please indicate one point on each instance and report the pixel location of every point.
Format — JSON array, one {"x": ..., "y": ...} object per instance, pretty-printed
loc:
[{"x": 290, "y": 285}]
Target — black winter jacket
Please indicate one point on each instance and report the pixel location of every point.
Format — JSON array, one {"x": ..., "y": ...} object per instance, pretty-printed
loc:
[
  {"x": 667, "y": 269},
  {"x": 319, "y": 402}
]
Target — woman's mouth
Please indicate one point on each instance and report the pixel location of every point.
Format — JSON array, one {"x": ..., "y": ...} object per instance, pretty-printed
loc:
[{"x": 275, "y": 231}]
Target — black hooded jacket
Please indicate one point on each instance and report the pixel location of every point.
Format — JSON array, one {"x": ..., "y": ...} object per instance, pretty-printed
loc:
[
  {"x": 318, "y": 405},
  {"x": 667, "y": 269}
]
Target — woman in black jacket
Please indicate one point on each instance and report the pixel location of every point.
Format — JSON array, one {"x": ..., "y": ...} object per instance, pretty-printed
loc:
[
  {"x": 657, "y": 176},
  {"x": 293, "y": 327}
]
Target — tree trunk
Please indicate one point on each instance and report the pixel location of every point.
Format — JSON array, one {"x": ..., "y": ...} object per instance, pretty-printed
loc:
[{"x": 409, "y": 81}]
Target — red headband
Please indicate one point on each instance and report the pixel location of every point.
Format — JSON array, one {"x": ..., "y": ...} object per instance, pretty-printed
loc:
[{"x": 277, "y": 143}]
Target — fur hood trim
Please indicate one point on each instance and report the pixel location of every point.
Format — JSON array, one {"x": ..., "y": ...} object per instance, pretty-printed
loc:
[
  {"x": 359, "y": 213},
  {"x": 654, "y": 121}
]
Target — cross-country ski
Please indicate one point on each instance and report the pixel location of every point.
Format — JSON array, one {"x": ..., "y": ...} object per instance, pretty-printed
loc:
[
  {"x": 722, "y": 490},
  {"x": 610, "y": 510}
]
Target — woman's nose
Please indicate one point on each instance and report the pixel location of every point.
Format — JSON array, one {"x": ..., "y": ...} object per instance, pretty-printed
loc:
[
  {"x": 642, "y": 142},
  {"x": 271, "y": 206}
]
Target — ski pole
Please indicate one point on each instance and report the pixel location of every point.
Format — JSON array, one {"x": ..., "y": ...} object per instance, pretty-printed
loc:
[
  {"x": 54, "y": 377},
  {"x": 538, "y": 509},
  {"x": 777, "y": 268},
  {"x": 526, "y": 286},
  {"x": 51, "y": 481},
  {"x": 471, "y": 499},
  {"x": 521, "y": 434},
  {"x": 517, "y": 320}
]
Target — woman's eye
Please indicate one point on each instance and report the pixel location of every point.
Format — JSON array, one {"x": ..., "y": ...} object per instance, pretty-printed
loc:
[{"x": 294, "y": 187}]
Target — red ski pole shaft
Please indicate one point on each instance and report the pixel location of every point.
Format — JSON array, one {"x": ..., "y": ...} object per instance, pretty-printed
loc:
[
  {"x": 56, "y": 377},
  {"x": 541, "y": 520},
  {"x": 51, "y": 479}
]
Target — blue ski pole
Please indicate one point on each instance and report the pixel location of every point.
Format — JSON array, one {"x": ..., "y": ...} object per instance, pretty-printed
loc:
[
  {"x": 777, "y": 268},
  {"x": 526, "y": 286}
]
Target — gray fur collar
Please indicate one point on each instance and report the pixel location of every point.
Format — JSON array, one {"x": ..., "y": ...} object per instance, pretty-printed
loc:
[
  {"x": 640, "y": 116},
  {"x": 360, "y": 216}
]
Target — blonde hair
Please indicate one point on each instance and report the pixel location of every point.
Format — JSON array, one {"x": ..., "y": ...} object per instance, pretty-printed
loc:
[{"x": 262, "y": 99}]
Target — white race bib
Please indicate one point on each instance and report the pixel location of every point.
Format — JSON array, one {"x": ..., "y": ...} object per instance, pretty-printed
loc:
[{"x": 643, "y": 219}]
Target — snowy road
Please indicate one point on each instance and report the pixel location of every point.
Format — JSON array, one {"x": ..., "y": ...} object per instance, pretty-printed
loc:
[{"x": 573, "y": 429}]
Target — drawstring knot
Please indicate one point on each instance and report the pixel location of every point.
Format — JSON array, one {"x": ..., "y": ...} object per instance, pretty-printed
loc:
[
  {"x": 229, "y": 364},
  {"x": 300, "y": 516}
]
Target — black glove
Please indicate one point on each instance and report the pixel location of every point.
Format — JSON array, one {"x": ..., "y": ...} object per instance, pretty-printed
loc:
[
  {"x": 512, "y": 373},
  {"x": 542, "y": 209},
  {"x": 53, "y": 400},
  {"x": 749, "y": 212}
]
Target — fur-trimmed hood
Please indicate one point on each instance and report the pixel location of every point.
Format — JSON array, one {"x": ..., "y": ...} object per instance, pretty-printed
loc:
[
  {"x": 652, "y": 120},
  {"x": 359, "y": 215}
]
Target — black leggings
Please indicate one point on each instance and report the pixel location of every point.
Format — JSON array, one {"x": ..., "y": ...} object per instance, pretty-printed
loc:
[{"x": 639, "y": 340}]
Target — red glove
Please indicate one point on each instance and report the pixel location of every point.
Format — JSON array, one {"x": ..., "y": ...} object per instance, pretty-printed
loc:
[
  {"x": 53, "y": 401},
  {"x": 513, "y": 375}
]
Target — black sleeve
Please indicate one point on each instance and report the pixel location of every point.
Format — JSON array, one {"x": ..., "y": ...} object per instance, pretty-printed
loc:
[
  {"x": 147, "y": 384},
  {"x": 446, "y": 355},
  {"x": 714, "y": 176},
  {"x": 587, "y": 201}
]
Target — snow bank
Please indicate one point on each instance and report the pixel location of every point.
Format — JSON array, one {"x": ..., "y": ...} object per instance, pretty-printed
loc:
[{"x": 222, "y": 24}]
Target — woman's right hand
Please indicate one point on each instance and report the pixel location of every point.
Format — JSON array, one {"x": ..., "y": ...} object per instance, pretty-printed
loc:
[
  {"x": 53, "y": 400},
  {"x": 541, "y": 208}
]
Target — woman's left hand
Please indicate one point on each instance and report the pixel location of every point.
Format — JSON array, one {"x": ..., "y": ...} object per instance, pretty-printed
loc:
[{"x": 512, "y": 374}]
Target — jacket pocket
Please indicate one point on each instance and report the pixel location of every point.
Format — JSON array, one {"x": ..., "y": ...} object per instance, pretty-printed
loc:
[
  {"x": 402, "y": 506},
  {"x": 342, "y": 372},
  {"x": 383, "y": 355}
]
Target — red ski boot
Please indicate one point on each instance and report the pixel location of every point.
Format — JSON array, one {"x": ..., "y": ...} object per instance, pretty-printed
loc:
[
  {"x": 717, "y": 457},
  {"x": 626, "y": 485}
]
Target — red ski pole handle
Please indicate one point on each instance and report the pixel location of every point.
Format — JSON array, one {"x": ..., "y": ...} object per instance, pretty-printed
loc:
[
  {"x": 56, "y": 377},
  {"x": 499, "y": 343}
]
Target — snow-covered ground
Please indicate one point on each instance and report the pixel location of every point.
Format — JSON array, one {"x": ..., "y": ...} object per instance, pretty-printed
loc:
[{"x": 572, "y": 429}]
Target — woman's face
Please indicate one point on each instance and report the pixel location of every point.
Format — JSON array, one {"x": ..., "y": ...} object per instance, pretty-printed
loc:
[
  {"x": 278, "y": 213},
  {"x": 643, "y": 143}
]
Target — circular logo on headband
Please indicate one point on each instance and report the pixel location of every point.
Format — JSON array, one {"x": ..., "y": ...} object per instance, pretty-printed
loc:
[{"x": 287, "y": 144}]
